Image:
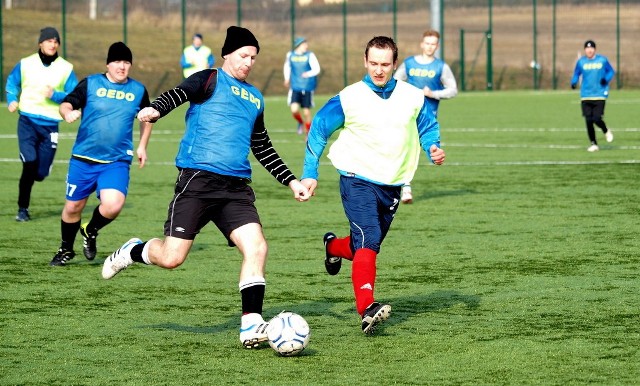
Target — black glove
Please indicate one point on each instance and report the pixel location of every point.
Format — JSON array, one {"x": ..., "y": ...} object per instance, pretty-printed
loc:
[
  {"x": 603, "y": 81},
  {"x": 573, "y": 86}
]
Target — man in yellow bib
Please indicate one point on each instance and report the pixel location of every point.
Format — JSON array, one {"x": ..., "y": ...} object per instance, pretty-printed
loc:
[
  {"x": 196, "y": 57},
  {"x": 35, "y": 88},
  {"x": 383, "y": 124}
]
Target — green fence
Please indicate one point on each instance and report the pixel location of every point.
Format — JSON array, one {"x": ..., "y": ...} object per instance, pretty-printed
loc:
[{"x": 533, "y": 44}]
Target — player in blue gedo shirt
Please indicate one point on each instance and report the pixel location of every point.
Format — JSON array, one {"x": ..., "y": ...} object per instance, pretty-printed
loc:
[
  {"x": 431, "y": 75},
  {"x": 224, "y": 122},
  {"x": 102, "y": 154},
  {"x": 596, "y": 72}
]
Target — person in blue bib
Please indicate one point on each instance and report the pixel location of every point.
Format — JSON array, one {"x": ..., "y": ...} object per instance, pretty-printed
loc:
[
  {"x": 301, "y": 69},
  {"x": 35, "y": 88},
  {"x": 596, "y": 73},
  {"x": 224, "y": 123},
  {"x": 383, "y": 124},
  {"x": 430, "y": 74},
  {"x": 102, "y": 153},
  {"x": 196, "y": 57}
]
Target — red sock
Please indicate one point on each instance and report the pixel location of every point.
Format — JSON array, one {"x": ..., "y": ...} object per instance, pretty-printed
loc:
[
  {"x": 363, "y": 277},
  {"x": 307, "y": 126},
  {"x": 341, "y": 248},
  {"x": 297, "y": 117}
]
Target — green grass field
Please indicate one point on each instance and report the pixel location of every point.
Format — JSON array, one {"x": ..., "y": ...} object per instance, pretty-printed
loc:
[{"x": 518, "y": 263}]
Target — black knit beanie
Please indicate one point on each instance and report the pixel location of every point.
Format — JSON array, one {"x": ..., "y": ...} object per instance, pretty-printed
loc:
[
  {"x": 238, "y": 37},
  {"x": 48, "y": 33},
  {"x": 119, "y": 51}
]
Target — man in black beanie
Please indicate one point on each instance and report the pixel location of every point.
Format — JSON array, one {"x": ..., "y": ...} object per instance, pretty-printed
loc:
[
  {"x": 103, "y": 151},
  {"x": 225, "y": 122},
  {"x": 35, "y": 87}
]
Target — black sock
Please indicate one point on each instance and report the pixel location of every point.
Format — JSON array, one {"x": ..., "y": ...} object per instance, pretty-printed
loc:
[
  {"x": 27, "y": 179},
  {"x": 252, "y": 299},
  {"x": 136, "y": 253},
  {"x": 97, "y": 222},
  {"x": 68, "y": 232}
]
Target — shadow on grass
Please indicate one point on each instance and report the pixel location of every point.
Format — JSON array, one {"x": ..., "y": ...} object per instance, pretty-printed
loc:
[{"x": 404, "y": 308}]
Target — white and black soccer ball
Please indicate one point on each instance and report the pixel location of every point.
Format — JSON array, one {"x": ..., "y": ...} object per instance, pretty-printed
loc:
[{"x": 288, "y": 333}]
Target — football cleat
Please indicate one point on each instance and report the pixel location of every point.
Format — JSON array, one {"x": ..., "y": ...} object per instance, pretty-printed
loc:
[
  {"x": 88, "y": 243},
  {"x": 120, "y": 259},
  {"x": 331, "y": 263},
  {"x": 23, "y": 215},
  {"x": 593, "y": 148},
  {"x": 61, "y": 257},
  {"x": 252, "y": 335},
  {"x": 375, "y": 314},
  {"x": 609, "y": 136}
]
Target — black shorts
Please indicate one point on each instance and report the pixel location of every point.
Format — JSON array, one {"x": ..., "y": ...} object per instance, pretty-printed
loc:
[
  {"x": 593, "y": 109},
  {"x": 202, "y": 196}
]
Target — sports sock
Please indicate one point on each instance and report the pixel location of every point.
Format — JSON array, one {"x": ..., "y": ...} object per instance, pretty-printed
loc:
[
  {"x": 136, "y": 252},
  {"x": 297, "y": 117},
  {"x": 97, "y": 222},
  {"x": 68, "y": 231},
  {"x": 591, "y": 133},
  {"x": 307, "y": 125},
  {"x": 252, "y": 293},
  {"x": 363, "y": 277},
  {"x": 340, "y": 247},
  {"x": 27, "y": 179}
]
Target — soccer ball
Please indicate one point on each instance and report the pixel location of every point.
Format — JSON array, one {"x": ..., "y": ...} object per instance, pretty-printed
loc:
[{"x": 288, "y": 333}]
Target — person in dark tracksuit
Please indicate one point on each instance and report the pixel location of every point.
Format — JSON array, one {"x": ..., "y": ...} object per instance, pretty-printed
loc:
[
  {"x": 103, "y": 151},
  {"x": 35, "y": 87},
  {"x": 224, "y": 122},
  {"x": 596, "y": 73}
]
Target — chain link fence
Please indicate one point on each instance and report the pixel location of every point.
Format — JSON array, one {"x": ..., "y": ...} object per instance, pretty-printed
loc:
[{"x": 533, "y": 44}]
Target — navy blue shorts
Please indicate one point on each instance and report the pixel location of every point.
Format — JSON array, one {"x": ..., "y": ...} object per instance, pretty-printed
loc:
[
  {"x": 370, "y": 209},
  {"x": 303, "y": 98},
  {"x": 37, "y": 143},
  {"x": 202, "y": 196}
]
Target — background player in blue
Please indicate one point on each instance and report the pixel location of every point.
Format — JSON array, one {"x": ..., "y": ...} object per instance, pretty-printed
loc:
[
  {"x": 430, "y": 74},
  {"x": 596, "y": 73},
  {"x": 102, "y": 153},
  {"x": 383, "y": 123},
  {"x": 301, "y": 69},
  {"x": 35, "y": 87},
  {"x": 224, "y": 122},
  {"x": 196, "y": 57}
]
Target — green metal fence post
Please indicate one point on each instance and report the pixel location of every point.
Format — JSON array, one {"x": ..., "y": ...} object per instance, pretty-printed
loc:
[
  {"x": 554, "y": 76},
  {"x": 534, "y": 63},
  {"x": 183, "y": 20},
  {"x": 344, "y": 42},
  {"x": 239, "y": 13},
  {"x": 292, "y": 18},
  {"x": 463, "y": 86},
  {"x": 124, "y": 21},
  {"x": 490, "y": 48},
  {"x": 618, "y": 67},
  {"x": 1, "y": 58},
  {"x": 64, "y": 28}
]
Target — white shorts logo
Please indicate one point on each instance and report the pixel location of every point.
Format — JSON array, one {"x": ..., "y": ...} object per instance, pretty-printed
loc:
[{"x": 179, "y": 229}]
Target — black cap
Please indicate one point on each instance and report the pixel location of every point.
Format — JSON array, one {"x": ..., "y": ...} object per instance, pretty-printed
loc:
[
  {"x": 238, "y": 37},
  {"x": 48, "y": 33},
  {"x": 590, "y": 43},
  {"x": 119, "y": 51}
]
